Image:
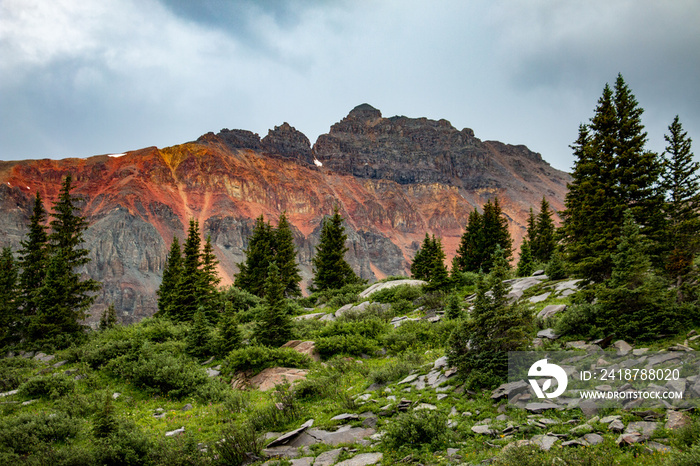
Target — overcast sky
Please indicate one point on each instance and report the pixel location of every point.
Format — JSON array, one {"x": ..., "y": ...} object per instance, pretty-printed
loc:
[{"x": 87, "y": 77}]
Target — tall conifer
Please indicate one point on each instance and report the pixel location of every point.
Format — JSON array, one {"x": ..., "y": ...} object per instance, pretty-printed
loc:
[
  {"x": 188, "y": 293},
  {"x": 331, "y": 270},
  {"x": 286, "y": 257},
  {"x": 172, "y": 273},
  {"x": 9, "y": 317},
  {"x": 275, "y": 326},
  {"x": 33, "y": 261},
  {"x": 543, "y": 244},
  {"x": 469, "y": 256},
  {"x": 258, "y": 256}
]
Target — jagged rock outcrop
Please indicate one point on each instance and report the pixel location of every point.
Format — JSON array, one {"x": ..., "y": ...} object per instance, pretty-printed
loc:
[{"x": 394, "y": 179}]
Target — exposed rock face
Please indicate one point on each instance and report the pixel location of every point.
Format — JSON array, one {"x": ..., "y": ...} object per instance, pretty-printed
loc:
[{"x": 394, "y": 179}]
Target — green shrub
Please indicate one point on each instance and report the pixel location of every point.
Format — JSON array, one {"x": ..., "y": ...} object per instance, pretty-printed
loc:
[
  {"x": 161, "y": 330},
  {"x": 258, "y": 358},
  {"x": 370, "y": 328},
  {"x": 578, "y": 320},
  {"x": 47, "y": 387},
  {"x": 394, "y": 371},
  {"x": 402, "y": 307},
  {"x": 240, "y": 300},
  {"x": 416, "y": 429},
  {"x": 353, "y": 345},
  {"x": 279, "y": 413},
  {"x": 13, "y": 371},
  {"x": 397, "y": 293},
  {"x": 239, "y": 442},
  {"x": 689, "y": 457},
  {"x": 27, "y": 432},
  {"x": 128, "y": 445}
]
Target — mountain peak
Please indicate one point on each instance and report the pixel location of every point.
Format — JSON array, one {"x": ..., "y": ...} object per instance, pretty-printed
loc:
[{"x": 364, "y": 112}]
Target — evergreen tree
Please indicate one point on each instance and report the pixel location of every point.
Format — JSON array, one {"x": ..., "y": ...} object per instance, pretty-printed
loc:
[
  {"x": 479, "y": 346},
  {"x": 275, "y": 325},
  {"x": 64, "y": 297},
  {"x": 556, "y": 268},
  {"x": 33, "y": 261},
  {"x": 172, "y": 273},
  {"x": 108, "y": 318},
  {"x": 682, "y": 187},
  {"x": 286, "y": 257},
  {"x": 470, "y": 253},
  {"x": 612, "y": 172},
  {"x": 259, "y": 254},
  {"x": 9, "y": 317},
  {"x": 422, "y": 261},
  {"x": 454, "y": 309},
  {"x": 331, "y": 270},
  {"x": 526, "y": 263},
  {"x": 210, "y": 281},
  {"x": 199, "y": 338},
  {"x": 531, "y": 226},
  {"x": 634, "y": 303},
  {"x": 229, "y": 334},
  {"x": 543, "y": 243},
  {"x": 495, "y": 234},
  {"x": 188, "y": 294}
]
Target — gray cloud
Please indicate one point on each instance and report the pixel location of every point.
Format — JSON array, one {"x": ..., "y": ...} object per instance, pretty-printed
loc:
[{"x": 81, "y": 78}]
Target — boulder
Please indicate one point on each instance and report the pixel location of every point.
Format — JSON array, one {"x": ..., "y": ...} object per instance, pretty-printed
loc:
[
  {"x": 539, "y": 408},
  {"x": 285, "y": 439},
  {"x": 328, "y": 458},
  {"x": 547, "y": 333},
  {"x": 545, "y": 442},
  {"x": 313, "y": 316},
  {"x": 622, "y": 347},
  {"x": 175, "y": 432},
  {"x": 391, "y": 284},
  {"x": 305, "y": 461},
  {"x": 676, "y": 420},
  {"x": 346, "y": 417},
  {"x": 540, "y": 297},
  {"x": 363, "y": 459},
  {"x": 273, "y": 376},
  {"x": 549, "y": 311},
  {"x": 509, "y": 390},
  {"x": 304, "y": 347}
]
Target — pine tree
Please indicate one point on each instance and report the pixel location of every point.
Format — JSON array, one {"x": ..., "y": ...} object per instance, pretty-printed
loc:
[
  {"x": 526, "y": 263},
  {"x": 495, "y": 233},
  {"x": 556, "y": 267},
  {"x": 454, "y": 309},
  {"x": 275, "y": 325},
  {"x": 188, "y": 294},
  {"x": 420, "y": 267},
  {"x": 681, "y": 184},
  {"x": 108, "y": 318},
  {"x": 479, "y": 346},
  {"x": 634, "y": 303},
  {"x": 259, "y": 254},
  {"x": 172, "y": 273},
  {"x": 9, "y": 316},
  {"x": 331, "y": 270},
  {"x": 543, "y": 244},
  {"x": 199, "y": 338},
  {"x": 613, "y": 172},
  {"x": 33, "y": 261},
  {"x": 64, "y": 297},
  {"x": 229, "y": 334},
  {"x": 210, "y": 281},
  {"x": 470, "y": 253},
  {"x": 531, "y": 226},
  {"x": 286, "y": 257}
]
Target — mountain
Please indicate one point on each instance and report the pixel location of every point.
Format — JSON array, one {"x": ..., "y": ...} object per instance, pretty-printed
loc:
[{"x": 393, "y": 179}]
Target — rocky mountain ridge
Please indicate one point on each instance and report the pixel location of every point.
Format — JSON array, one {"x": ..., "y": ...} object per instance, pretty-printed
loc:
[{"x": 394, "y": 179}]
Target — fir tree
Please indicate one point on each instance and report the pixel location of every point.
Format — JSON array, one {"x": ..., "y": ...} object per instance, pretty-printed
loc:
[
  {"x": 422, "y": 261},
  {"x": 33, "y": 261},
  {"x": 543, "y": 243},
  {"x": 331, "y": 270},
  {"x": 682, "y": 187},
  {"x": 286, "y": 257},
  {"x": 454, "y": 309},
  {"x": 229, "y": 334},
  {"x": 495, "y": 234},
  {"x": 634, "y": 302},
  {"x": 275, "y": 325},
  {"x": 64, "y": 297},
  {"x": 526, "y": 263},
  {"x": 108, "y": 318},
  {"x": 199, "y": 338},
  {"x": 531, "y": 226},
  {"x": 429, "y": 263},
  {"x": 9, "y": 317},
  {"x": 479, "y": 346},
  {"x": 210, "y": 281},
  {"x": 556, "y": 267},
  {"x": 259, "y": 254},
  {"x": 187, "y": 296},
  {"x": 470, "y": 253},
  {"x": 172, "y": 273}
]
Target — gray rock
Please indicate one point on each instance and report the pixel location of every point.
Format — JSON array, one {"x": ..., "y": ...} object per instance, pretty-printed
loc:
[
  {"x": 175, "y": 432},
  {"x": 345, "y": 434},
  {"x": 609, "y": 419},
  {"x": 547, "y": 333},
  {"x": 509, "y": 390},
  {"x": 629, "y": 439},
  {"x": 616, "y": 426},
  {"x": 452, "y": 452},
  {"x": 622, "y": 347},
  {"x": 540, "y": 298},
  {"x": 425, "y": 406},
  {"x": 567, "y": 285},
  {"x": 286, "y": 438},
  {"x": 545, "y": 442},
  {"x": 539, "y": 408},
  {"x": 346, "y": 417},
  {"x": 10, "y": 393},
  {"x": 676, "y": 420},
  {"x": 589, "y": 407},
  {"x": 305, "y": 461},
  {"x": 208, "y": 361},
  {"x": 575, "y": 443},
  {"x": 440, "y": 362},
  {"x": 537, "y": 273},
  {"x": 281, "y": 452},
  {"x": 116, "y": 395},
  {"x": 391, "y": 284},
  {"x": 187, "y": 407},
  {"x": 410, "y": 378},
  {"x": 549, "y": 311},
  {"x": 363, "y": 459},
  {"x": 642, "y": 427},
  {"x": 441, "y": 396},
  {"x": 327, "y": 458},
  {"x": 313, "y": 316},
  {"x": 593, "y": 439},
  {"x": 212, "y": 373},
  {"x": 483, "y": 430},
  {"x": 59, "y": 364}
]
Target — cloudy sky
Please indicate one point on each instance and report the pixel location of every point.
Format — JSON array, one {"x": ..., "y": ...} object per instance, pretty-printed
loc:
[{"x": 86, "y": 77}]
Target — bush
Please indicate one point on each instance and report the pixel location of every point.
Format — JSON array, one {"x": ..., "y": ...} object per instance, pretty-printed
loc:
[
  {"x": 258, "y": 358},
  {"x": 370, "y": 328},
  {"x": 353, "y": 345},
  {"x": 395, "y": 371},
  {"x": 397, "y": 293},
  {"x": 27, "y": 432},
  {"x": 239, "y": 442},
  {"x": 416, "y": 429},
  {"x": 47, "y": 387},
  {"x": 578, "y": 320},
  {"x": 128, "y": 445},
  {"x": 13, "y": 371}
]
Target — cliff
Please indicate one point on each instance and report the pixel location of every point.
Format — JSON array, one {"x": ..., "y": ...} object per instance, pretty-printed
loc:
[{"x": 393, "y": 179}]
